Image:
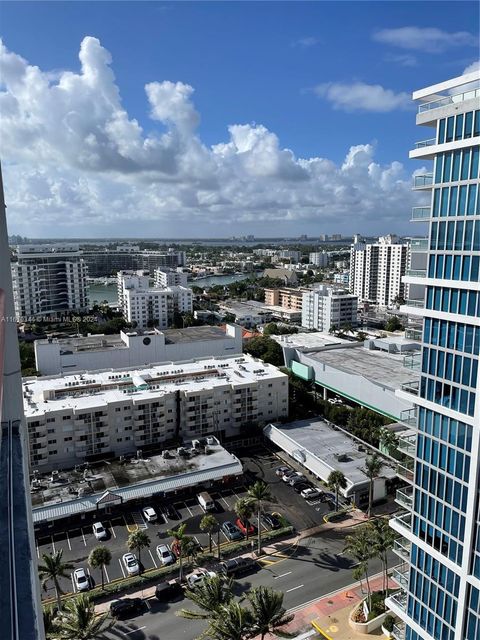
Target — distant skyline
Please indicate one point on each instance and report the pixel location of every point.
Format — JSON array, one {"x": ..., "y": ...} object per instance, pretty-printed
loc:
[{"x": 206, "y": 119}]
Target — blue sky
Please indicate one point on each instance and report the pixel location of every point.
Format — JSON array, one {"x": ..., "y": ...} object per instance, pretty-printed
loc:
[{"x": 318, "y": 92}]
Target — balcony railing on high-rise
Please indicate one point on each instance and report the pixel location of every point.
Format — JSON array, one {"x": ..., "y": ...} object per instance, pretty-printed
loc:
[
  {"x": 422, "y": 180},
  {"x": 421, "y": 213},
  {"x": 405, "y": 471},
  {"x": 409, "y": 417},
  {"x": 443, "y": 102},
  {"x": 407, "y": 444},
  {"x": 404, "y": 497},
  {"x": 402, "y": 547},
  {"x": 425, "y": 143},
  {"x": 418, "y": 245},
  {"x": 398, "y": 631},
  {"x": 413, "y": 360},
  {"x": 416, "y": 273},
  {"x": 411, "y": 387}
]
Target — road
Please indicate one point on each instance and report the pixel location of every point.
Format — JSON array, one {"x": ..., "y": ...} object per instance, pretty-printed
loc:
[{"x": 304, "y": 573}]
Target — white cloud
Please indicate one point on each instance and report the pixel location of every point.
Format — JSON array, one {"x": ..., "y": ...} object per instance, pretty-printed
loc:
[
  {"x": 305, "y": 42},
  {"x": 429, "y": 39},
  {"x": 403, "y": 59},
  {"x": 475, "y": 66},
  {"x": 76, "y": 163},
  {"x": 359, "y": 96}
]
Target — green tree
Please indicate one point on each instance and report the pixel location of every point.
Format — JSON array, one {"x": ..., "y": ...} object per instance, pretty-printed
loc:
[
  {"x": 389, "y": 440},
  {"x": 50, "y": 621},
  {"x": 78, "y": 620},
  {"x": 259, "y": 494},
  {"x": 359, "y": 546},
  {"x": 137, "y": 541},
  {"x": 372, "y": 468},
  {"x": 180, "y": 543},
  {"x": 268, "y": 613},
  {"x": 383, "y": 537},
  {"x": 99, "y": 558},
  {"x": 233, "y": 622},
  {"x": 336, "y": 481},
  {"x": 210, "y": 596},
  {"x": 393, "y": 324},
  {"x": 209, "y": 523},
  {"x": 266, "y": 349},
  {"x": 52, "y": 569},
  {"x": 245, "y": 508}
]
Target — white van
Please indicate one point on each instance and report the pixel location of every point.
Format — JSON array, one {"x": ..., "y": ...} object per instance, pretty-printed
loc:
[{"x": 205, "y": 501}]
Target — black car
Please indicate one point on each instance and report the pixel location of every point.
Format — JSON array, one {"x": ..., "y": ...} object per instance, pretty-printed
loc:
[
  {"x": 298, "y": 488},
  {"x": 170, "y": 512},
  {"x": 237, "y": 566},
  {"x": 126, "y": 606},
  {"x": 167, "y": 591},
  {"x": 271, "y": 521}
]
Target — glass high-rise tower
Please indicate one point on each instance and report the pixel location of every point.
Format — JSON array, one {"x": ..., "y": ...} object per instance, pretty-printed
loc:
[{"x": 440, "y": 528}]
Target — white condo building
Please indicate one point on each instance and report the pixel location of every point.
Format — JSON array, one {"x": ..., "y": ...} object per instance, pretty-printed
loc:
[
  {"x": 319, "y": 259},
  {"x": 439, "y": 543},
  {"x": 324, "y": 307},
  {"x": 81, "y": 417},
  {"x": 169, "y": 278},
  {"x": 49, "y": 280},
  {"x": 147, "y": 306},
  {"x": 376, "y": 270}
]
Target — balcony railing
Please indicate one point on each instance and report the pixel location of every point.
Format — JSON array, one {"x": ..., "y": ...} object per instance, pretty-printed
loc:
[
  {"x": 409, "y": 417},
  {"x": 421, "y": 213},
  {"x": 422, "y": 180},
  {"x": 398, "y": 631},
  {"x": 413, "y": 360},
  {"x": 416, "y": 273},
  {"x": 404, "y": 497},
  {"x": 425, "y": 143},
  {"x": 411, "y": 387},
  {"x": 418, "y": 304},
  {"x": 443, "y": 102},
  {"x": 400, "y": 575},
  {"x": 418, "y": 245},
  {"x": 412, "y": 334},
  {"x": 405, "y": 471},
  {"x": 407, "y": 444},
  {"x": 399, "y": 600},
  {"x": 403, "y": 521},
  {"x": 402, "y": 548}
]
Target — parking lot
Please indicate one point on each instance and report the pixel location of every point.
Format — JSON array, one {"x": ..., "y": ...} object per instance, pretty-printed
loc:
[{"x": 78, "y": 542}]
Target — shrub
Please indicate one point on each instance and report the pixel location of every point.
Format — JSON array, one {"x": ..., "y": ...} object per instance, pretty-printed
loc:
[{"x": 388, "y": 623}]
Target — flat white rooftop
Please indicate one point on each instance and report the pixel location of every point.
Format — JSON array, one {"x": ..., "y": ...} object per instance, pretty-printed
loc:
[
  {"x": 315, "y": 340},
  {"x": 85, "y": 390}
]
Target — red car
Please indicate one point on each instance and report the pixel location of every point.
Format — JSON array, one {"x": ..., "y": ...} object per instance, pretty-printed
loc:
[{"x": 252, "y": 529}]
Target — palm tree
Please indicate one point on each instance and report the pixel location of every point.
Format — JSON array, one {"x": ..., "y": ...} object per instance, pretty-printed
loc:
[
  {"x": 180, "y": 541},
  {"x": 137, "y": 541},
  {"x": 99, "y": 558},
  {"x": 268, "y": 612},
  {"x": 259, "y": 493},
  {"x": 359, "y": 546},
  {"x": 50, "y": 621},
  {"x": 383, "y": 537},
  {"x": 336, "y": 481},
  {"x": 373, "y": 466},
  {"x": 233, "y": 622},
  {"x": 78, "y": 621},
  {"x": 208, "y": 524},
  {"x": 210, "y": 596},
  {"x": 52, "y": 569},
  {"x": 245, "y": 508},
  {"x": 388, "y": 440}
]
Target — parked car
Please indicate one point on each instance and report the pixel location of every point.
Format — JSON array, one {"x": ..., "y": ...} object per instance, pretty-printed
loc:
[
  {"x": 252, "y": 529},
  {"x": 280, "y": 471},
  {"x": 238, "y": 566},
  {"x": 126, "y": 606},
  {"x": 170, "y": 512},
  {"x": 231, "y": 531},
  {"x": 295, "y": 479},
  {"x": 289, "y": 474},
  {"x": 311, "y": 493},
  {"x": 167, "y": 591},
  {"x": 130, "y": 563},
  {"x": 302, "y": 486},
  {"x": 81, "y": 579},
  {"x": 271, "y": 521},
  {"x": 150, "y": 514},
  {"x": 165, "y": 555},
  {"x": 198, "y": 576},
  {"x": 99, "y": 531}
]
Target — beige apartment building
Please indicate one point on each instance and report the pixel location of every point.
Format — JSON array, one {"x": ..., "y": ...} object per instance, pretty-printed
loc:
[{"x": 286, "y": 298}]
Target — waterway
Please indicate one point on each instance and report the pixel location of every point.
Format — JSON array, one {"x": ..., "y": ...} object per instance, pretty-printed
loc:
[{"x": 100, "y": 292}]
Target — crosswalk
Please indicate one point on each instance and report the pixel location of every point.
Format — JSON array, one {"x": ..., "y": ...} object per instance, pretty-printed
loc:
[{"x": 138, "y": 520}]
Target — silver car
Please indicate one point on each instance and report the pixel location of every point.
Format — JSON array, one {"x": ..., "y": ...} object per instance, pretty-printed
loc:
[
  {"x": 165, "y": 555},
  {"x": 130, "y": 563},
  {"x": 81, "y": 579},
  {"x": 99, "y": 531}
]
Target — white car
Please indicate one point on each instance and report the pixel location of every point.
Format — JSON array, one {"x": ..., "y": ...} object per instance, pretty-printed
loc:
[
  {"x": 130, "y": 563},
  {"x": 165, "y": 555},
  {"x": 290, "y": 474},
  {"x": 81, "y": 579},
  {"x": 99, "y": 531},
  {"x": 311, "y": 493},
  {"x": 198, "y": 576},
  {"x": 149, "y": 514}
]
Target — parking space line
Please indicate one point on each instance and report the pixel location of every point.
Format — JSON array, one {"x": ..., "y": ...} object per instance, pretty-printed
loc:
[
  {"x": 188, "y": 508},
  {"x": 121, "y": 567},
  {"x": 282, "y": 575},
  {"x": 135, "y": 630},
  {"x": 68, "y": 540},
  {"x": 235, "y": 494},
  {"x": 112, "y": 529},
  {"x": 294, "y": 588},
  {"x": 106, "y": 573},
  {"x": 83, "y": 536},
  {"x": 153, "y": 559},
  {"x": 53, "y": 545},
  {"x": 222, "y": 498},
  {"x": 38, "y": 551}
]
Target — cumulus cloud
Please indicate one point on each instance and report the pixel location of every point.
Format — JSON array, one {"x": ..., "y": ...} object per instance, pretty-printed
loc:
[
  {"x": 359, "y": 96},
  {"x": 475, "y": 66},
  {"x": 75, "y": 159},
  {"x": 305, "y": 42},
  {"x": 429, "y": 39}
]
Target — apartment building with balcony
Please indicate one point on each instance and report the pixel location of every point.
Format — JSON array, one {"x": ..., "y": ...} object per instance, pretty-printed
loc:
[
  {"x": 319, "y": 259},
  {"x": 169, "y": 278},
  {"x": 285, "y": 298},
  {"x": 107, "y": 261},
  {"x": 439, "y": 589},
  {"x": 49, "y": 280},
  {"x": 91, "y": 416},
  {"x": 325, "y": 307}
]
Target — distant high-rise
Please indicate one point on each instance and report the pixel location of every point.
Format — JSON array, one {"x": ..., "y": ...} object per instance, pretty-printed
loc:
[
  {"x": 440, "y": 527},
  {"x": 49, "y": 280}
]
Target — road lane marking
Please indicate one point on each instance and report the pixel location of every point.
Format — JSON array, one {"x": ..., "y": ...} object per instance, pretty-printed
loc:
[
  {"x": 135, "y": 630},
  {"x": 153, "y": 559},
  {"x": 68, "y": 540},
  {"x": 121, "y": 567},
  {"x": 83, "y": 536},
  {"x": 294, "y": 588},
  {"x": 282, "y": 575}
]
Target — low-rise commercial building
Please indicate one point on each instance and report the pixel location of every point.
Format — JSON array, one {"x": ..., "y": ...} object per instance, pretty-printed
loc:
[
  {"x": 134, "y": 348},
  {"x": 322, "y": 448},
  {"x": 108, "y": 413},
  {"x": 325, "y": 307},
  {"x": 247, "y": 314}
]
